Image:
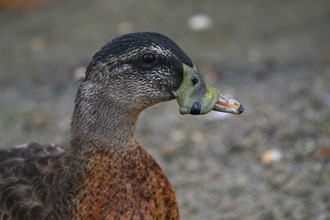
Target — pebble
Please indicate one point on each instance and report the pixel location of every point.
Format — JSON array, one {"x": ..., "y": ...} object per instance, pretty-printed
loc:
[
  {"x": 200, "y": 22},
  {"x": 271, "y": 156}
]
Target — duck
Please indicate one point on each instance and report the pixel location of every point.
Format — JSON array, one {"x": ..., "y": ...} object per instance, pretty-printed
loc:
[{"x": 104, "y": 173}]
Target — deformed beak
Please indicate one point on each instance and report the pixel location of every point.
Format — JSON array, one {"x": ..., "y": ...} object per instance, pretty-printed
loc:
[
  {"x": 196, "y": 98},
  {"x": 228, "y": 105}
]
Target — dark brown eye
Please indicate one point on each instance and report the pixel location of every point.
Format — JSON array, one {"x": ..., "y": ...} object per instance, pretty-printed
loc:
[
  {"x": 148, "y": 58},
  {"x": 194, "y": 80}
]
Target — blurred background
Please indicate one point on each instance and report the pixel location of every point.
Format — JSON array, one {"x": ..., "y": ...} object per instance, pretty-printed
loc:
[{"x": 271, "y": 162}]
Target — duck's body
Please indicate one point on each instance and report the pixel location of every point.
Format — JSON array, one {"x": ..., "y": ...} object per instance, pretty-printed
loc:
[
  {"x": 105, "y": 183},
  {"x": 105, "y": 173}
]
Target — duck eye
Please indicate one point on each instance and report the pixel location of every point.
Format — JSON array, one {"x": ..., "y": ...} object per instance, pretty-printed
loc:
[
  {"x": 194, "y": 80},
  {"x": 148, "y": 58}
]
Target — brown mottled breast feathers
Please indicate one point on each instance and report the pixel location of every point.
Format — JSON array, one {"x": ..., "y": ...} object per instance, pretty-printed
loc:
[{"x": 123, "y": 184}]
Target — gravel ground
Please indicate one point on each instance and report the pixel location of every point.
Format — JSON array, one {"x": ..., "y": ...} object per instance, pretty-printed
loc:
[{"x": 272, "y": 162}]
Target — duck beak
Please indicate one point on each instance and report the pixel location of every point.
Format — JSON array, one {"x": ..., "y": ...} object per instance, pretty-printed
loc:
[{"x": 196, "y": 98}]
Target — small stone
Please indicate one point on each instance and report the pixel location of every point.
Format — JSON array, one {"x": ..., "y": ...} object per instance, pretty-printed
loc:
[
  {"x": 200, "y": 22},
  {"x": 271, "y": 156}
]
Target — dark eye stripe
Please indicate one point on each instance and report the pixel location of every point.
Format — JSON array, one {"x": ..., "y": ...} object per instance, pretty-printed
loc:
[{"x": 148, "y": 58}]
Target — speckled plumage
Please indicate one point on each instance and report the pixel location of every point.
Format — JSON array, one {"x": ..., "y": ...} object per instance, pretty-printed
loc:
[
  {"x": 31, "y": 179},
  {"x": 123, "y": 184},
  {"x": 105, "y": 173}
]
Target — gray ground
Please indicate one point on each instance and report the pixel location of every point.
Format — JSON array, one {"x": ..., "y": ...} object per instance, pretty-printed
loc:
[{"x": 272, "y": 56}]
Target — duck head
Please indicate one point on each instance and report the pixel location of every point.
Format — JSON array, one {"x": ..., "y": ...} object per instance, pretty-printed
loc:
[{"x": 138, "y": 70}]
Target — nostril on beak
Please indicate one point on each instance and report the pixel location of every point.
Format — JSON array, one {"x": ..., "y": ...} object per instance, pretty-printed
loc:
[{"x": 196, "y": 108}]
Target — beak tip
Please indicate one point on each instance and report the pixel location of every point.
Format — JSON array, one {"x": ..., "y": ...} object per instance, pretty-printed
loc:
[{"x": 240, "y": 109}]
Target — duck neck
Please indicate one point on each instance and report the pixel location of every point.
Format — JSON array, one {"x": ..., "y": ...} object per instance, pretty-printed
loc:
[{"x": 107, "y": 122}]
